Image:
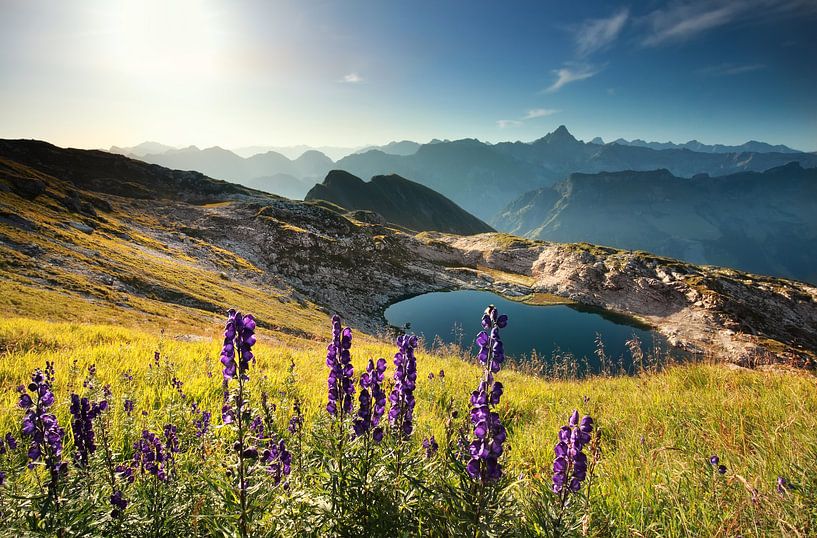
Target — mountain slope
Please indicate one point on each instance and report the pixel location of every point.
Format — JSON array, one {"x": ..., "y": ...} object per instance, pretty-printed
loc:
[
  {"x": 398, "y": 200},
  {"x": 760, "y": 222}
]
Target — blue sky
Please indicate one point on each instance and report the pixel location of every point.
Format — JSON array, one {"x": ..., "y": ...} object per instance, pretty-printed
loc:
[{"x": 97, "y": 73}]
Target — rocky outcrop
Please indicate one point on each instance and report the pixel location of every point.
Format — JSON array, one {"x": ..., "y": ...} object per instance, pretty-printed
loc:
[{"x": 358, "y": 268}]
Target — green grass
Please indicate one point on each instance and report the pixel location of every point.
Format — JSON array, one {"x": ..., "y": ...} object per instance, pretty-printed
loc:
[{"x": 658, "y": 430}]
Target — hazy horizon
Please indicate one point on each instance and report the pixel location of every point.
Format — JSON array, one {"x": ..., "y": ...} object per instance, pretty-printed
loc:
[{"x": 206, "y": 73}]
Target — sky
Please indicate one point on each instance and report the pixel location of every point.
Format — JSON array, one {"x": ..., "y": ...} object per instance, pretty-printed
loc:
[{"x": 236, "y": 73}]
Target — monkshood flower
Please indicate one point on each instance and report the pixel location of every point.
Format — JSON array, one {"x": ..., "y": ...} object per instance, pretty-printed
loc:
[
  {"x": 119, "y": 504},
  {"x": 339, "y": 361},
  {"x": 10, "y": 441},
  {"x": 125, "y": 472},
  {"x": 171, "y": 439},
  {"x": 430, "y": 445},
  {"x": 570, "y": 465},
  {"x": 489, "y": 433},
  {"x": 239, "y": 337},
  {"x": 714, "y": 461},
  {"x": 202, "y": 424},
  {"x": 41, "y": 426},
  {"x": 149, "y": 455},
  {"x": 372, "y": 400},
  {"x": 401, "y": 414},
  {"x": 257, "y": 426},
  {"x": 296, "y": 422},
  {"x": 83, "y": 412},
  {"x": 278, "y": 461},
  {"x": 491, "y": 350}
]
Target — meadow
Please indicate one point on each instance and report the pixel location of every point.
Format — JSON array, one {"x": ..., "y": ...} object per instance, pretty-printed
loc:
[{"x": 308, "y": 472}]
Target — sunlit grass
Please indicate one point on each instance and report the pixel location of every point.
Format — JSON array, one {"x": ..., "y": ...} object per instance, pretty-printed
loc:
[{"x": 658, "y": 430}]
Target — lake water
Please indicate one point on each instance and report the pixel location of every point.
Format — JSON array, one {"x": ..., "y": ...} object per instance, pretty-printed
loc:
[{"x": 455, "y": 317}]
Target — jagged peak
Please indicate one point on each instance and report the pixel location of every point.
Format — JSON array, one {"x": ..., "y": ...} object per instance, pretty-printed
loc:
[{"x": 559, "y": 135}]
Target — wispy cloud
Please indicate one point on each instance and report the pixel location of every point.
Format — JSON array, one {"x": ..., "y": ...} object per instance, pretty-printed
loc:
[
  {"x": 352, "y": 78},
  {"x": 595, "y": 34},
  {"x": 681, "y": 21},
  {"x": 571, "y": 73},
  {"x": 729, "y": 69},
  {"x": 531, "y": 114},
  {"x": 539, "y": 113},
  {"x": 504, "y": 124}
]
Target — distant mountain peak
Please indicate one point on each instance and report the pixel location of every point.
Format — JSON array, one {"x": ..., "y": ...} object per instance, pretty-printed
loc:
[{"x": 560, "y": 136}]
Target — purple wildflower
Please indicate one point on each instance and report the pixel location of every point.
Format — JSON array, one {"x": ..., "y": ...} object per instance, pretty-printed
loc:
[
  {"x": 570, "y": 465},
  {"x": 125, "y": 472},
  {"x": 489, "y": 433},
  {"x": 372, "y": 399},
  {"x": 278, "y": 460},
  {"x": 401, "y": 414},
  {"x": 41, "y": 426},
  {"x": 119, "y": 504},
  {"x": 2, "y": 478},
  {"x": 171, "y": 439},
  {"x": 83, "y": 413},
  {"x": 202, "y": 424},
  {"x": 239, "y": 335},
  {"x": 714, "y": 461},
  {"x": 296, "y": 422},
  {"x": 150, "y": 455},
  {"x": 430, "y": 445},
  {"x": 10, "y": 441},
  {"x": 339, "y": 361},
  {"x": 491, "y": 350},
  {"x": 782, "y": 485},
  {"x": 177, "y": 384},
  {"x": 128, "y": 406},
  {"x": 227, "y": 414}
]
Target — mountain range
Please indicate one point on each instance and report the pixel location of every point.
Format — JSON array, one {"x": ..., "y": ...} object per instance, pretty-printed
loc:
[
  {"x": 480, "y": 177},
  {"x": 694, "y": 145},
  {"x": 399, "y": 200},
  {"x": 483, "y": 178},
  {"x": 763, "y": 222}
]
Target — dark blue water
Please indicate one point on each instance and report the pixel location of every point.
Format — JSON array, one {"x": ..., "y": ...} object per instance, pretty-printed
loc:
[{"x": 456, "y": 315}]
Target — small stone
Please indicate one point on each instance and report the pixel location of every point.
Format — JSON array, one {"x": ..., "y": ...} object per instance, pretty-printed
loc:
[{"x": 81, "y": 226}]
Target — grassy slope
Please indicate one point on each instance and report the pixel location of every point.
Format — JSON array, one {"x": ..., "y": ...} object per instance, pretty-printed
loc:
[
  {"x": 69, "y": 278},
  {"x": 762, "y": 424}
]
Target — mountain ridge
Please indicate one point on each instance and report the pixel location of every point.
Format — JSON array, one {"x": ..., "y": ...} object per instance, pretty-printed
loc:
[
  {"x": 398, "y": 200},
  {"x": 764, "y": 222}
]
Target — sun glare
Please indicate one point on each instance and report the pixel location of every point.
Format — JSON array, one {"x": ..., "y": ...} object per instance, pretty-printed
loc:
[{"x": 168, "y": 39}]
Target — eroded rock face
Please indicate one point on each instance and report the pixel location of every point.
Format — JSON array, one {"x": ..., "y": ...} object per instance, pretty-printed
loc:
[{"x": 358, "y": 268}]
